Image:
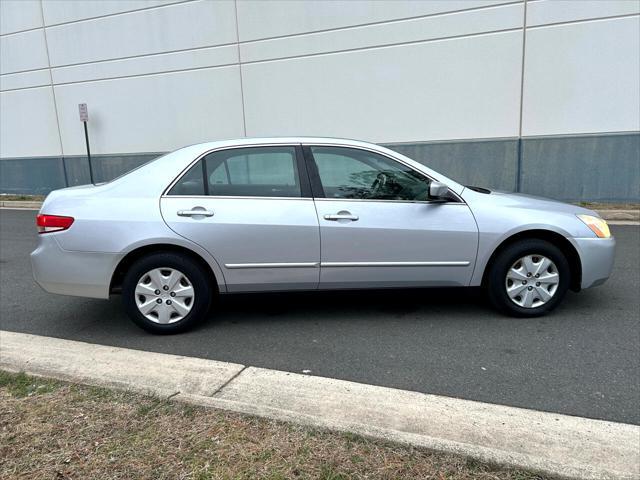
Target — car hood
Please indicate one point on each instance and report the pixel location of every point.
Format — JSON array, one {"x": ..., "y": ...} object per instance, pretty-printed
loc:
[{"x": 530, "y": 202}]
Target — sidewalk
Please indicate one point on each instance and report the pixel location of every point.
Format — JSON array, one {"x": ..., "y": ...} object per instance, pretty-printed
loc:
[{"x": 549, "y": 443}]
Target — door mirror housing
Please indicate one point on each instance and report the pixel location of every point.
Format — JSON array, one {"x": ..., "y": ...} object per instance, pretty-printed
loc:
[{"x": 437, "y": 191}]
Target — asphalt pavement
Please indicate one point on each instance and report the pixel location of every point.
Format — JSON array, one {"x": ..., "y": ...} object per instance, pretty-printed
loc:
[{"x": 583, "y": 359}]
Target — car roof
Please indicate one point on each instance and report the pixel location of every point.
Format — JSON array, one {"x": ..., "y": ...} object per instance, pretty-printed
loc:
[
  {"x": 281, "y": 140},
  {"x": 180, "y": 159}
]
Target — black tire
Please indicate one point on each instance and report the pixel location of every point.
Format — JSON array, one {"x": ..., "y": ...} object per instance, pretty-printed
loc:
[
  {"x": 495, "y": 280},
  {"x": 196, "y": 275}
]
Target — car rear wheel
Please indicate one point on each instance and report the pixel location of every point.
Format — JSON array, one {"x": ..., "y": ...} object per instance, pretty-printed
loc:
[
  {"x": 166, "y": 293},
  {"x": 528, "y": 278}
]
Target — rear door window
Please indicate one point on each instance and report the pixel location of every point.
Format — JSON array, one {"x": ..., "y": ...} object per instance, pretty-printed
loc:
[{"x": 244, "y": 172}]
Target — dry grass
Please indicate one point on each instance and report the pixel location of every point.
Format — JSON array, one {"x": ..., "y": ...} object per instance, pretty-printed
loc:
[{"x": 55, "y": 430}]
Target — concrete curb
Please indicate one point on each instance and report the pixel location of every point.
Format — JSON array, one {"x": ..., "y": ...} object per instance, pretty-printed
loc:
[
  {"x": 620, "y": 215},
  {"x": 27, "y": 205},
  {"x": 613, "y": 215},
  {"x": 549, "y": 443}
]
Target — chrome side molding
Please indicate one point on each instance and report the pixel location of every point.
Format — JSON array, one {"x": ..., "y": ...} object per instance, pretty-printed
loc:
[
  {"x": 346, "y": 264},
  {"x": 394, "y": 264},
  {"x": 272, "y": 265}
]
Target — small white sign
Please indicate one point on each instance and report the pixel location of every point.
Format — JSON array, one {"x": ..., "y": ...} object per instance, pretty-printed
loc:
[{"x": 84, "y": 113}]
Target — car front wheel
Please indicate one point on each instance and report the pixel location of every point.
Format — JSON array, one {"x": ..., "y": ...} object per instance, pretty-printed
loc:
[
  {"x": 166, "y": 293},
  {"x": 528, "y": 278}
]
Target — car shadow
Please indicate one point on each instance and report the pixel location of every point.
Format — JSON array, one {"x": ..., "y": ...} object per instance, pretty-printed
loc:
[
  {"x": 260, "y": 310},
  {"x": 346, "y": 303}
]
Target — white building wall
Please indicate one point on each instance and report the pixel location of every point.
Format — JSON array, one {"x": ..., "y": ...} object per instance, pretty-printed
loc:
[
  {"x": 582, "y": 77},
  {"x": 428, "y": 78},
  {"x": 19, "y": 17},
  {"x": 394, "y": 71},
  {"x": 160, "y": 74}
]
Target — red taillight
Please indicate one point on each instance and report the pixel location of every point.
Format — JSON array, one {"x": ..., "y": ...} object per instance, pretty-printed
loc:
[{"x": 52, "y": 223}]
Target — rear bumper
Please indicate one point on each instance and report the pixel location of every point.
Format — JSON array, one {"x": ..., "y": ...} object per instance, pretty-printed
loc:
[
  {"x": 81, "y": 274},
  {"x": 596, "y": 256}
]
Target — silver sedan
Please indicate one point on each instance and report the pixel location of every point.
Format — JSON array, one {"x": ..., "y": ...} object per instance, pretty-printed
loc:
[{"x": 284, "y": 214}]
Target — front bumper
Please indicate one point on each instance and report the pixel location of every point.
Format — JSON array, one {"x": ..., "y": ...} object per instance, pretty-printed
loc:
[
  {"x": 82, "y": 274},
  {"x": 596, "y": 256}
]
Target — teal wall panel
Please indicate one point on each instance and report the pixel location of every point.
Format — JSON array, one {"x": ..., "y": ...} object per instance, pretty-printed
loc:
[{"x": 602, "y": 167}]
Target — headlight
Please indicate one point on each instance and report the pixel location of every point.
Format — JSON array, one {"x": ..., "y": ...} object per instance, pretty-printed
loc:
[{"x": 597, "y": 225}]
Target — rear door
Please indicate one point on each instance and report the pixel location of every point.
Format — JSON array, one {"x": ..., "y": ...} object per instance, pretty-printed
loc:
[
  {"x": 378, "y": 228},
  {"x": 251, "y": 208}
]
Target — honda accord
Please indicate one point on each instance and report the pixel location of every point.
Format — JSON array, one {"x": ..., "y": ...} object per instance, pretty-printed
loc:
[{"x": 282, "y": 214}]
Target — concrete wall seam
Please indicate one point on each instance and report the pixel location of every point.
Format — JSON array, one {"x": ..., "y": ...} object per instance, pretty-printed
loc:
[{"x": 53, "y": 92}]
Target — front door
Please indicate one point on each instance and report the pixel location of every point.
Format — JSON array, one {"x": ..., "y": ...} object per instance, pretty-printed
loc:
[
  {"x": 251, "y": 208},
  {"x": 379, "y": 229}
]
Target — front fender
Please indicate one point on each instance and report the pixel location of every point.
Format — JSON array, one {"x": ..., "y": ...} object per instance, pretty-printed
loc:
[{"x": 489, "y": 242}]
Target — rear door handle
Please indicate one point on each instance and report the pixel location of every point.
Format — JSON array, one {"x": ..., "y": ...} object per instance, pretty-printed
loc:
[
  {"x": 341, "y": 216},
  {"x": 194, "y": 212}
]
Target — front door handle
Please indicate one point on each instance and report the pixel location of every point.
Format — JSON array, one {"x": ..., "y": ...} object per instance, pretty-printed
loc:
[
  {"x": 195, "y": 212},
  {"x": 342, "y": 216}
]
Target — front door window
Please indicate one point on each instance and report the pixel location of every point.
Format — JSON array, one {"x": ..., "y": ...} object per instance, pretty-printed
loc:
[{"x": 358, "y": 174}]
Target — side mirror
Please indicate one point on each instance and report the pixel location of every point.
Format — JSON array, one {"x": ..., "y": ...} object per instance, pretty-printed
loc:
[{"x": 437, "y": 190}]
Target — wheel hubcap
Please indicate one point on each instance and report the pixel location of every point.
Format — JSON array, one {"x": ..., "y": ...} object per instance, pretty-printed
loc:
[
  {"x": 532, "y": 281},
  {"x": 164, "y": 295}
]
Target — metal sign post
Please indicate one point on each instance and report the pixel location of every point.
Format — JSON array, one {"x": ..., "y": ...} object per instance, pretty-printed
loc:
[{"x": 84, "y": 118}]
